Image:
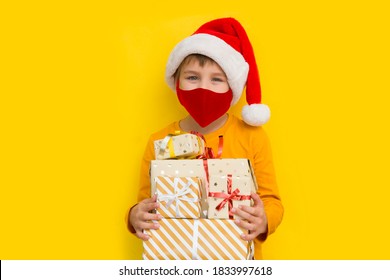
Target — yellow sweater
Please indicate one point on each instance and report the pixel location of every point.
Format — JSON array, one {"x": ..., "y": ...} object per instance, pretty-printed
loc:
[{"x": 239, "y": 141}]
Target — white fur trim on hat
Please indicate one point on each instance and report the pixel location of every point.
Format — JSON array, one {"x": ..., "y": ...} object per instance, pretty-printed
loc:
[
  {"x": 231, "y": 61},
  {"x": 255, "y": 114}
]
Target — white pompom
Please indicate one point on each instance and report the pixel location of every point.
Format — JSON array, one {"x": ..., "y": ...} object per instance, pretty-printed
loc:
[{"x": 255, "y": 114}]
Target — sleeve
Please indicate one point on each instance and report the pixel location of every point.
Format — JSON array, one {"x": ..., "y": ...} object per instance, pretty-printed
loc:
[
  {"x": 144, "y": 189},
  {"x": 144, "y": 183},
  {"x": 266, "y": 181}
]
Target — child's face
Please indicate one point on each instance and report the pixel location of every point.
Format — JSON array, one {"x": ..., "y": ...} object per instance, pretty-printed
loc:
[{"x": 210, "y": 77}]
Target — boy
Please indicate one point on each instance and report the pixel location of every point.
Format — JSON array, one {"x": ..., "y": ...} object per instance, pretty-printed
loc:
[{"x": 208, "y": 71}]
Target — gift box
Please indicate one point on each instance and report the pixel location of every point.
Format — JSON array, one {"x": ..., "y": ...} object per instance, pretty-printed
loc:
[
  {"x": 238, "y": 166},
  {"x": 201, "y": 239},
  {"x": 181, "y": 168},
  {"x": 226, "y": 192},
  {"x": 179, "y": 146},
  {"x": 179, "y": 197},
  {"x": 203, "y": 169}
]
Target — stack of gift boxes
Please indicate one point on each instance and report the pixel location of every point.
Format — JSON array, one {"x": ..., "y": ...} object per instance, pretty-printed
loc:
[{"x": 196, "y": 195}]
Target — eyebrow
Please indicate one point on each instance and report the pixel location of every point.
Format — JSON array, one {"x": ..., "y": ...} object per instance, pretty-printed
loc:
[
  {"x": 197, "y": 72},
  {"x": 190, "y": 72},
  {"x": 219, "y": 74}
]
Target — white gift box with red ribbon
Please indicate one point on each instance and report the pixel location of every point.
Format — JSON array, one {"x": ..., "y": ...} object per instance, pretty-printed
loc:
[{"x": 226, "y": 192}]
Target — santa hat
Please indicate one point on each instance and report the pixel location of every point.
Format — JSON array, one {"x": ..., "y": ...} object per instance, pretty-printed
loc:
[{"x": 226, "y": 42}]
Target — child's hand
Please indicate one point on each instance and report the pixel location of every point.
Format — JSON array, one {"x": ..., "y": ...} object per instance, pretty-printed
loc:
[
  {"x": 140, "y": 217},
  {"x": 253, "y": 218}
]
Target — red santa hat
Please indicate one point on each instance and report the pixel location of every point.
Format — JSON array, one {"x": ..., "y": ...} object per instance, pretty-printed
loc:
[{"x": 226, "y": 42}]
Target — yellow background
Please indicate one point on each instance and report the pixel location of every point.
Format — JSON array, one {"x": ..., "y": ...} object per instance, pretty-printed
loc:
[{"x": 82, "y": 88}]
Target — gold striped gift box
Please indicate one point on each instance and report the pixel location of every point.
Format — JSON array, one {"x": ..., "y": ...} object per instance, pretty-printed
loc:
[
  {"x": 179, "y": 197},
  {"x": 196, "y": 239}
]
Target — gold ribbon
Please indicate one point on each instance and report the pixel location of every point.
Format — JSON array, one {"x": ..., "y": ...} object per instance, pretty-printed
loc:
[{"x": 167, "y": 143}]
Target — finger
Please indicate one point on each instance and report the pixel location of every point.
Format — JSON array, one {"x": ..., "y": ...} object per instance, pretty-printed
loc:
[
  {"x": 150, "y": 199},
  {"x": 148, "y": 225},
  {"x": 143, "y": 228},
  {"x": 244, "y": 212},
  {"x": 250, "y": 231},
  {"x": 249, "y": 236},
  {"x": 246, "y": 225},
  {"x": 256, "y": 200},
  {"x": 149, "y": 205},
  {"x": 151, "y": 217},
  {"x": 142, "y": 235}
]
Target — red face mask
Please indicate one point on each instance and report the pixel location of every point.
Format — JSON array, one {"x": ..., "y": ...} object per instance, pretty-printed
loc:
[{"x": 204, "y": 105}]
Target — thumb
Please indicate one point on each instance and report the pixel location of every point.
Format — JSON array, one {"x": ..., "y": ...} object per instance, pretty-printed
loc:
[{"x": 256, "y": 200}]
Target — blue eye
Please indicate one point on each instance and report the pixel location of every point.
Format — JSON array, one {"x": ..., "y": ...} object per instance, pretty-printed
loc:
[
  {"x": 192, "y": 78},
  {"x": 217, "y": 80}
]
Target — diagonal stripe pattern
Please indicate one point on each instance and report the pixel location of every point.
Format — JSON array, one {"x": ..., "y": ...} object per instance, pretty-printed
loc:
[
  {"x": 179, "y": 197},
  {"x": 185, "y": 239}
]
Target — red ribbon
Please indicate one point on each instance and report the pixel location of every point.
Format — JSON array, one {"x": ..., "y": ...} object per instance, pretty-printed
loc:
[
  {"x": 208, "y": 151},
  {"x": 206, "y": 169},
  {"x": 198, "y": 134},
  {"x": 229, "y": 196}
]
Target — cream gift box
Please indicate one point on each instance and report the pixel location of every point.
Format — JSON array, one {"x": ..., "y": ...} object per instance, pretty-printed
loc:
[
  {"x": 226, "y": 192},
  {"x": 203, "y": 169},
  {"x": 179, "y": 146},
  {"x": 186, "y": 239},
  {"x": 235, "y": 166},
  {"x": 179, "y": 197}
]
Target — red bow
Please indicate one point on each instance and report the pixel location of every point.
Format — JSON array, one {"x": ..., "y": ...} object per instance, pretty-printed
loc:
[
  {"x": 208, "y": 152},
  {"x": 229, "y": 196}
]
